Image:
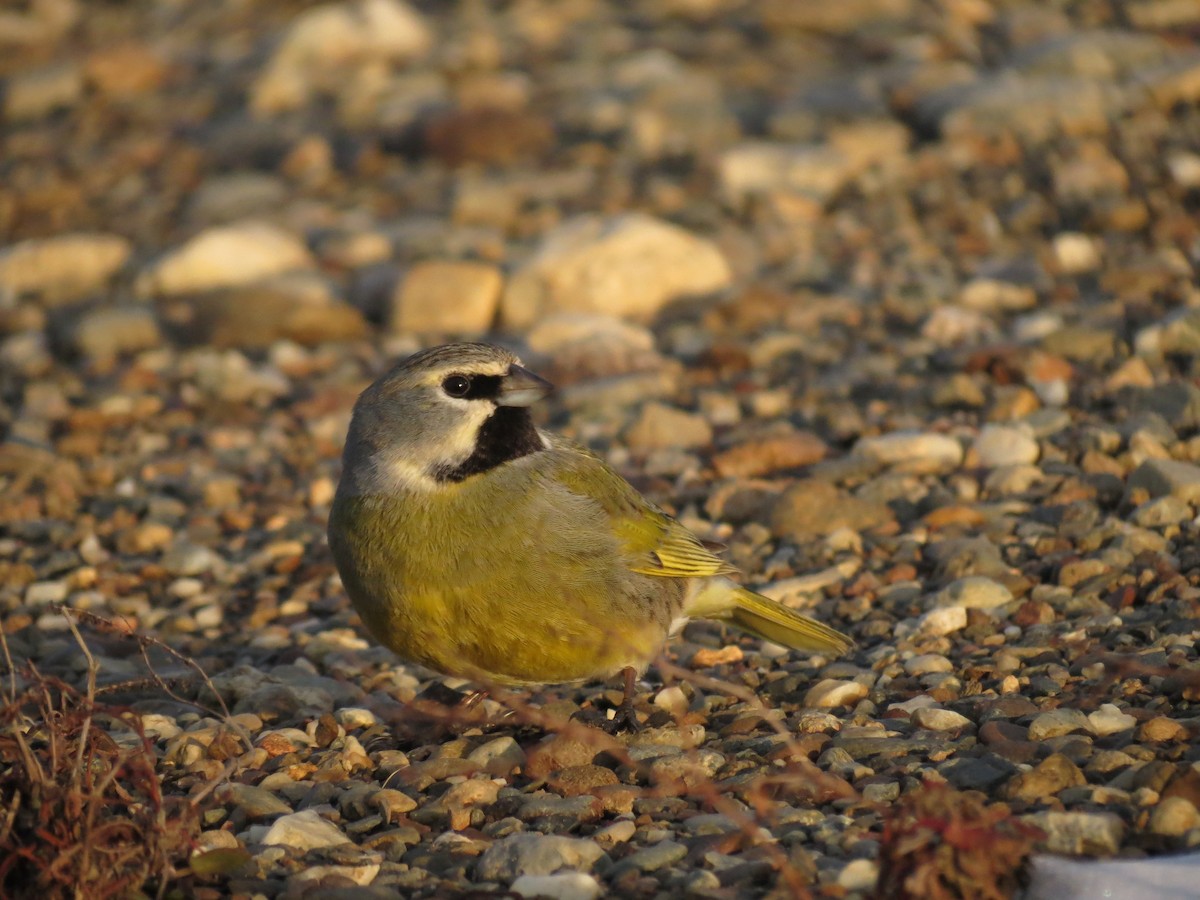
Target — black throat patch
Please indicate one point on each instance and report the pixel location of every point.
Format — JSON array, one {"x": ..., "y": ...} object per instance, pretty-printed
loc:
[{"x": 507, "y": 434}]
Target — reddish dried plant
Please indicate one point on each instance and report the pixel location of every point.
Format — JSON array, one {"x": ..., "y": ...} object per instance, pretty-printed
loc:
[
  {"x": 940, "y": 844},
  {"x": 81, "y": 815}
]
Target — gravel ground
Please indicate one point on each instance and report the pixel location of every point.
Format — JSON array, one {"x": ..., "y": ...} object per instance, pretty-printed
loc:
[{"x": 895, "y": 298}]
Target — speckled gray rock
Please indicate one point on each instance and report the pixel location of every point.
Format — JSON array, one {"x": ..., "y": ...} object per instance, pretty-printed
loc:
[
  {"x": 1080, "y": 833},
  {"x": 535, "y": 854}
]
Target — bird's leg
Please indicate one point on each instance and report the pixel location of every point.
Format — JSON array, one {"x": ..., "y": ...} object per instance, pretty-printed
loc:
[{"x": 626, "y": 718}]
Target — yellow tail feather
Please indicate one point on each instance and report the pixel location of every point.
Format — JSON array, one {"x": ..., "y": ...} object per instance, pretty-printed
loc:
[{"x": 764, "y": 618}]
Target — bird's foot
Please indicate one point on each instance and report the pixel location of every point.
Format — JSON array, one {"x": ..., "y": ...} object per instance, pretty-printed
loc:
[{"x": 624, "y": 719}]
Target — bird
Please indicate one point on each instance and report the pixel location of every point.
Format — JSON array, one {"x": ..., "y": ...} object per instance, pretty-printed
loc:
[{"x": 473, "y": 543}]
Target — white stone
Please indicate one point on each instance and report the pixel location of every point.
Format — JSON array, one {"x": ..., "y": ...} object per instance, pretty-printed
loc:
[
  {"x": 618, "y": 832},
  {"x": 1006, "y": 445},
  {"x": 160, "y": 727},
  {"x": 628, "y": 265},
  {"x": 945, "y": 620},
  {"x": 62, "y": 268},
  {"x": 954, "y": 326},
  {"x": 351, "y": 717},
  {"x": 831, "y": 692},
  {"x": 323, "y": 42},
  {"x": 1185, "y": 169},
  {"x": 1009, "y": 480},
  {"x": 228, "y": 256},
  {"x": 564, "y": 886},
  {"x": 927, "y": 663},
  {"x": 939, "y": 719},
  {"x": 1109, "y": 719},
  {"x": 672, "y": 699},
  {"x": 859, "y": 875},
  {"x": 990, "y": 295},
  {"x": 361, "y": 874},
  {"x": 912, "y": 451},
  {"x": 1075, "y": 253},
  {"x": 39, "y": 593},
  {"x": 760, "y": 167},
  {"x": 1056, "y": 723},
  {"x": 304, "y": 830},
  {"x": 973, "y": 592}
]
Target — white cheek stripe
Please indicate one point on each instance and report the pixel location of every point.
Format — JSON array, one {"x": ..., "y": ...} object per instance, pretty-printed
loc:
[{"x": 403, "y": 475}]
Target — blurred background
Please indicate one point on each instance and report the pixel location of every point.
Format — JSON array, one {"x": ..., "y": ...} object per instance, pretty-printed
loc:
[
  {"x": 235, "y": 173},
  {"x": 896, "y": 298},
  {"x": 741, "y": 235}
]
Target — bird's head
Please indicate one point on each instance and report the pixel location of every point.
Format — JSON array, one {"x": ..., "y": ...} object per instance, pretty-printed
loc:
[{"x": 444, "y": 415}]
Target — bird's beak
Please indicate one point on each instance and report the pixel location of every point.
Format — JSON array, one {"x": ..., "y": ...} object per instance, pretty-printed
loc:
[{"x": 520, "y": 387}]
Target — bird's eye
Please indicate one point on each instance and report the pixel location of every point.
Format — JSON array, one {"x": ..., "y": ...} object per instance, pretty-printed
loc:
[{"x": 457, "y": 385}]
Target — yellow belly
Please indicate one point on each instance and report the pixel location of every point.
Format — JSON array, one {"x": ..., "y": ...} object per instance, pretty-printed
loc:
[
  {"x": 494, "y": 604},
  {"x": 513, "y": 642}
]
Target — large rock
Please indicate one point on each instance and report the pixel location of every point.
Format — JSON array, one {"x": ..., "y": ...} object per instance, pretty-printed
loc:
[
  {"x": 304, "y": 830},
  {"x": 64, "y": 268},
  {"x": 229, "y": 256},
  {"x": 446, "y": 297},
  {"x": 323, "y": 41},
  {"x": 628, "y": 265}
]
